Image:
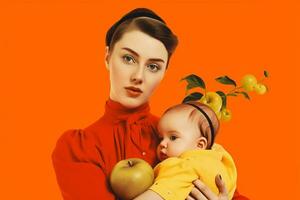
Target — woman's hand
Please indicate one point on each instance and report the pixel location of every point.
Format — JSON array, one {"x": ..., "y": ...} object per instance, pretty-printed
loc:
[{"x": 202, "y": 192}]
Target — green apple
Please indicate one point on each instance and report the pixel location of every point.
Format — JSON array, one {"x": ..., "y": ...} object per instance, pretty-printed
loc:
[
  {"x": 260, "y": 88},
  {"x": 226, "y": 114},
  {"x": 248, "y": 82},
  {"x": 131, "y": 177},
  {"x": 213, "y": 100}
]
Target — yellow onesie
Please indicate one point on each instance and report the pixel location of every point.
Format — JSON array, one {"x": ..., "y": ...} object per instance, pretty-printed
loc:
[{"x": 174, "y": 176}]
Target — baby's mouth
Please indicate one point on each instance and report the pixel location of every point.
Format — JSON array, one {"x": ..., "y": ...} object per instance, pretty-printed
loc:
[{"x": 162, "y": 156}]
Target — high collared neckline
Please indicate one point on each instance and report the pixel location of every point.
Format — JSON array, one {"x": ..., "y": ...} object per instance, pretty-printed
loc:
[{"x": 116, "y": 111}]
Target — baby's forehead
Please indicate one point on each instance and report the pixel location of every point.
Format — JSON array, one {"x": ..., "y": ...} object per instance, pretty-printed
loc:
[
  {"x": 179, "y": 109},
  {"x": 181, "y": 115},
  {"x": 178, "y": 121},
  {"x": 183, "y": 111},
  {"x": 174, "y": 117}
]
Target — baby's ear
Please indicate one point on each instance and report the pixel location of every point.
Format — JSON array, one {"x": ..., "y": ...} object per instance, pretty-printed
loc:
[
  {"x": 202, "y": 142},
  {"x": 106, "y": 57}
]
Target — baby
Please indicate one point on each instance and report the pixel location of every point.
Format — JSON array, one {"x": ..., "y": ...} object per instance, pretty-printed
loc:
[{"x": 187, "y": 152}]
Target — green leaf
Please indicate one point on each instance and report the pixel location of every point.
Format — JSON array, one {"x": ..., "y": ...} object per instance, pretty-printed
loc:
[
  {"x": 231, "y": 94},
  {"x": 266, "y": 73},
  {"x": 245, "y": 94},
  {"x": 224, "y": 98},
  {"x": 226, "y": 80},
  {"x": 194, "y": 81},
  {"x": 192, "y": 97}
]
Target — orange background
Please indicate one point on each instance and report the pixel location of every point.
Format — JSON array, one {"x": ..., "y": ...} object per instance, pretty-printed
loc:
[{"x": 53, "y": 78}]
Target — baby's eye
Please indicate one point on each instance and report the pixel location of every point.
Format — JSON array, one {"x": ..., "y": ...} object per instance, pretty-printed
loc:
[
  {"x": 128, "y": 59},
  {"x": 153, "y": 67},
  {"x": 173, "y": 137}
]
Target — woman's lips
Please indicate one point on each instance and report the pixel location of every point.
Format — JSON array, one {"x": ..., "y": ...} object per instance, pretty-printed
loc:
[{"x": 133, "y": 92}]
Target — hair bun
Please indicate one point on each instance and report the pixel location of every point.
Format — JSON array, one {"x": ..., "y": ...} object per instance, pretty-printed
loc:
[
  {"x": 141, "y": 12},
  {"x": 138, "y": 12}
]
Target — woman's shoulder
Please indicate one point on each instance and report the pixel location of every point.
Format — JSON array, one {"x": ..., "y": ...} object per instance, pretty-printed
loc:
[
  {"x": 76, "y": 145},
  {"x": 71, "y": 139},
  {"x": 70, "y": 134},
  {"x": 95, "y": 133},
  {"x": 89, "y": 135},
  {"x": 86, "y": 133}
]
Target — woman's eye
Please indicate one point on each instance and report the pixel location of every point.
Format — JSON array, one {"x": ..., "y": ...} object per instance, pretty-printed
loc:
[
  {"x": 153, "y": 67},
  {"x": 128, "y": 59},
  {"x": 173, "y": 137}
]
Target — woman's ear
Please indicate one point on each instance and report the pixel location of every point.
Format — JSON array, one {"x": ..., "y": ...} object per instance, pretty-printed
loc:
[
  {"x": 202, "y": 143},
  {"x": 106, "y": 57}
]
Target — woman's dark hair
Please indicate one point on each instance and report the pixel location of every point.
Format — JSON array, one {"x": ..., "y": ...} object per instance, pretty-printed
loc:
[{"x": 146, "y": 21}]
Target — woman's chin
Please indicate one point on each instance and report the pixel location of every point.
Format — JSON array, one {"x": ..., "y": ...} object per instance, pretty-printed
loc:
[{"x": 130, "y": 102}]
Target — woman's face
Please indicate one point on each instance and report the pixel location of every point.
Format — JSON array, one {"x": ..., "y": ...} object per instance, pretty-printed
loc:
[{"x": 136, "y": 65}]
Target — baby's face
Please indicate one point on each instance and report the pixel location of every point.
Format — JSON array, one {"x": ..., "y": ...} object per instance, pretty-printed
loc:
[{"x": 178, "y": 134}]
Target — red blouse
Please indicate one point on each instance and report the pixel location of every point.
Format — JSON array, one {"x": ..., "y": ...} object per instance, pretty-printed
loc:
[{"x": 83, "y": 159}]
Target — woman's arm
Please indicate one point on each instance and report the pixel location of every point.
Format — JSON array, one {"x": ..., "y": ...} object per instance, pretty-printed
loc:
[
  {"x": 77, "y": 176},
  {"x": 202, "y": 192},
  {"x": 199, "y": 192}
]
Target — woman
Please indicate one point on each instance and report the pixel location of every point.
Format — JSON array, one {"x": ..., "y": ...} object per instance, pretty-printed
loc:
[{"x": 138, "y": 50}]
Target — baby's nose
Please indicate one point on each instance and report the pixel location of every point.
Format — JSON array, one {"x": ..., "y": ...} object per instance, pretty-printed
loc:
[{"x": 163, "y": 144}]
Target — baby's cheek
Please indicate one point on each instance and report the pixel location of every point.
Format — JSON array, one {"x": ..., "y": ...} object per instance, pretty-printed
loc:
[
  {"x": 171, "y": 153},
  {"x": 176, "y": 152}
]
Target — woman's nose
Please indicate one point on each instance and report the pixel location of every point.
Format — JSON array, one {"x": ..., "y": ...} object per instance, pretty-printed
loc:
[{"x": 137, "y": 76}]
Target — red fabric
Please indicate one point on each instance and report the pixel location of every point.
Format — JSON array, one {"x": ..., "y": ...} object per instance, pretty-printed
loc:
[
  {"x": 83, "y": 159},
  {"x": 238, "y": 196}
]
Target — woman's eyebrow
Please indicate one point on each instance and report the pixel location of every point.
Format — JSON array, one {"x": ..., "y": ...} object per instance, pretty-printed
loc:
[
  {"x": 131, "y": 51},
  {"x": 137, "y": 55}
]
